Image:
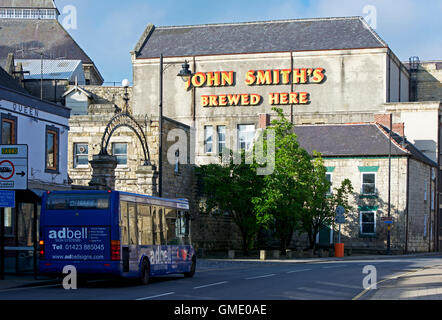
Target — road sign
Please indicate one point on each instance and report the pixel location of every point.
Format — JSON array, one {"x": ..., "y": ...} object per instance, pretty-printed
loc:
[
  {"x": 13, "y": 167},
  {"x": 340, "y": 215},
  {"x": 7, "y": 199},
  {"x": 387, "y": 220}
]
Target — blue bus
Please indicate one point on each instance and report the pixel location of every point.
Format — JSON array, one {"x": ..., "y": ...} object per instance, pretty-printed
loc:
[{"x": 113, "y": 233}]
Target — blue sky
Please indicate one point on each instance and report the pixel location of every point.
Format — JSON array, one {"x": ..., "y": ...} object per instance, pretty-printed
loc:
[{"x": 108, "y": 30}]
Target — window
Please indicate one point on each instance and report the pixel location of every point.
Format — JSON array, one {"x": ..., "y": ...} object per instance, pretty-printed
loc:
[
  {"x": 208, "y": 139},
  {"x": 328, "y": 177},
  {"x": 52, "y": 148},
  {"x": 221, "y": 132},
  {"x": 81, "y": 159},
  {"x": 124, "y": 228},
  {"x": 132, "y": 210},
  {"x": 50, "y": 14},
  {"x": 18, "y": 13},
  {"x": 177, "y": 162},
  {"x": 9, "y": 221},
  {"x": 246, "y": 133},
  {"x": 9, "y": 129},
  {"x": 10, "y": 13},
  {"x": 120, "y": 151},
  {"x": 26, "y": 14},
  {"x": 368, "y": 184},
  {"x": 2, "y": 13},
  {"x": 64, "y": 201},
  {"x": 145, "y": 236},
  {"x": 368, "y": 222},
  {"x": 34, "y": 13}
]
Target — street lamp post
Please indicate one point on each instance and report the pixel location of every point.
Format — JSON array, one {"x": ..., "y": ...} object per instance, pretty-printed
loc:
[
  {"x": 389, "y": 184},
  {"x": 184, "y": 72}
]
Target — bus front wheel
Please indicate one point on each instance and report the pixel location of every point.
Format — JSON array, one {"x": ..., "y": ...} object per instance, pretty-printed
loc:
[
  {"x": 192, "y": 269},
  {"x": 145, "y": 272}
]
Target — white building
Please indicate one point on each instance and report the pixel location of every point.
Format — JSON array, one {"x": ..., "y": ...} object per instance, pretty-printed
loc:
[{"x": 43, "y": 127}]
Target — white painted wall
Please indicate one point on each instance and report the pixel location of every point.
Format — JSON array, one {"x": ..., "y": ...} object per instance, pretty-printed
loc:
[{"x": 31, "y": 130}]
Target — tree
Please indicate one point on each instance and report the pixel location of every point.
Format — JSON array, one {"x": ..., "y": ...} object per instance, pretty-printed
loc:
[
  {"x": 229, "y": 188},
  {"x": 320, "y": 206},
  {"x": 280, "y": 204}
]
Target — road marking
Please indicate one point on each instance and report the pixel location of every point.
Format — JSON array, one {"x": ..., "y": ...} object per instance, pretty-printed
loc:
[
  {"x": 210, "y": 285},
  {"x": 293, "y": 271},
  {"x": 29, "y": 288},
  {"x": 265, "y": 276},
  {"x": 341, "y": 266},
  {"x": 158, "y": 295}
]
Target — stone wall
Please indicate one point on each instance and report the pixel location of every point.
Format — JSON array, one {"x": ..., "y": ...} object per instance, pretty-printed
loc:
[
  {"x": 348, "y": 168},
  {"x": 215, "y": 233},
  {"x": 208, "y": 232},
  {"x": 421, "y": 208},
  {"x": 429, "y": 81},
  {"x": 419, "y": 183}
]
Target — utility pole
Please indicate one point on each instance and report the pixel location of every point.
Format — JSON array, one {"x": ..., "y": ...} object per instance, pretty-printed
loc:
[{"x": 160, "y": 129}]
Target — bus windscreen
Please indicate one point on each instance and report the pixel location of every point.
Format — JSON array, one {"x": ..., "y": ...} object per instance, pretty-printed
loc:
[{"x": 70, "y": 201}]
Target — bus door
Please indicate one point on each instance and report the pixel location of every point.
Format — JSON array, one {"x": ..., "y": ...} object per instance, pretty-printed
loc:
[{"x": 128, "y": 227}]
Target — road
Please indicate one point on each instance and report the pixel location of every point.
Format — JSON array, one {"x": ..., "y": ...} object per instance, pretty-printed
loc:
[{"x": 240, "y": 280}]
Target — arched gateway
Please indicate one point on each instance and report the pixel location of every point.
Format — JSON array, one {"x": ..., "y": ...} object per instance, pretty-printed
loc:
[{"x": 124, "y": 119}]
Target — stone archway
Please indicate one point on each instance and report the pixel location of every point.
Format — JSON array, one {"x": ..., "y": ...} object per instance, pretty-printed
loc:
[
  {"x": 103, "y": 164},
  {"x": 124, "y": 119}
]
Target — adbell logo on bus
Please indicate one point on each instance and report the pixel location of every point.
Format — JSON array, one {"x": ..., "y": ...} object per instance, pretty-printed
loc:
[{"x": 68, "y": 234}]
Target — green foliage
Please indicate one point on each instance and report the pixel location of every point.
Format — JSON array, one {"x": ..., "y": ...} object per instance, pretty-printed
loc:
[
  {"x": 281, "y": 201},
  {"x": 320, "y": 207},
  {"x": 229, "y": 188}
]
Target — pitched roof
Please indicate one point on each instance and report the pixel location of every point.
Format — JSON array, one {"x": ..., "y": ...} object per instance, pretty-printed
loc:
[
  {"x": 257, "y": 37},
  {"x": 27, "y": 38},
  {"x": 360, "y": 140},
  {"x": 41, "y": 4},
  {"x": 7, "y": 81},
  {"x": 53, "y": 69}
]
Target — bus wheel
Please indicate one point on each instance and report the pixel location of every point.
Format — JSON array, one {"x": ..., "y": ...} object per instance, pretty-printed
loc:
[
  {"x": 192, "y": 269},
  {"x": 145, "y": 273}
]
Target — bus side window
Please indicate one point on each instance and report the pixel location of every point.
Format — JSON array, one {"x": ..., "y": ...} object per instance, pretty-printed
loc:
[
  {"x": 171, "y": 220},
  {"x": 123, "y": 223},
  {"x": 182, "y": 227},
  {"x": 132, "y": 224},
  {"x": 144, "y": 225},
  {"x": 159, "y": 222}
]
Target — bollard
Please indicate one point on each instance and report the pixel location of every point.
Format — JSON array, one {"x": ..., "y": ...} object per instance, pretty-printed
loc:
[
  {"x": 289, "y": 254},
  {"x": 263, "y": 255},
  {"x": 276, "y": 254}
]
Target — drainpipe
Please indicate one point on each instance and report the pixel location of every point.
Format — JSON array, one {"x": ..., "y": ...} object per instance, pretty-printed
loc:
[
  {"x": 408, "y": 205},
  {"x": 291, "y": 87}
]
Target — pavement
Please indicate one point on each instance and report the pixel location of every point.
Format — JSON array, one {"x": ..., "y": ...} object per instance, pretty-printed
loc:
[{"x": 421, "y": 284}]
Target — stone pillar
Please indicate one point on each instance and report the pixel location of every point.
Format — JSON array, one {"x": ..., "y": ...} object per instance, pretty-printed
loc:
[
  {"x": 147, "y": 180},
  {"x": 103, "y": 172}
]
